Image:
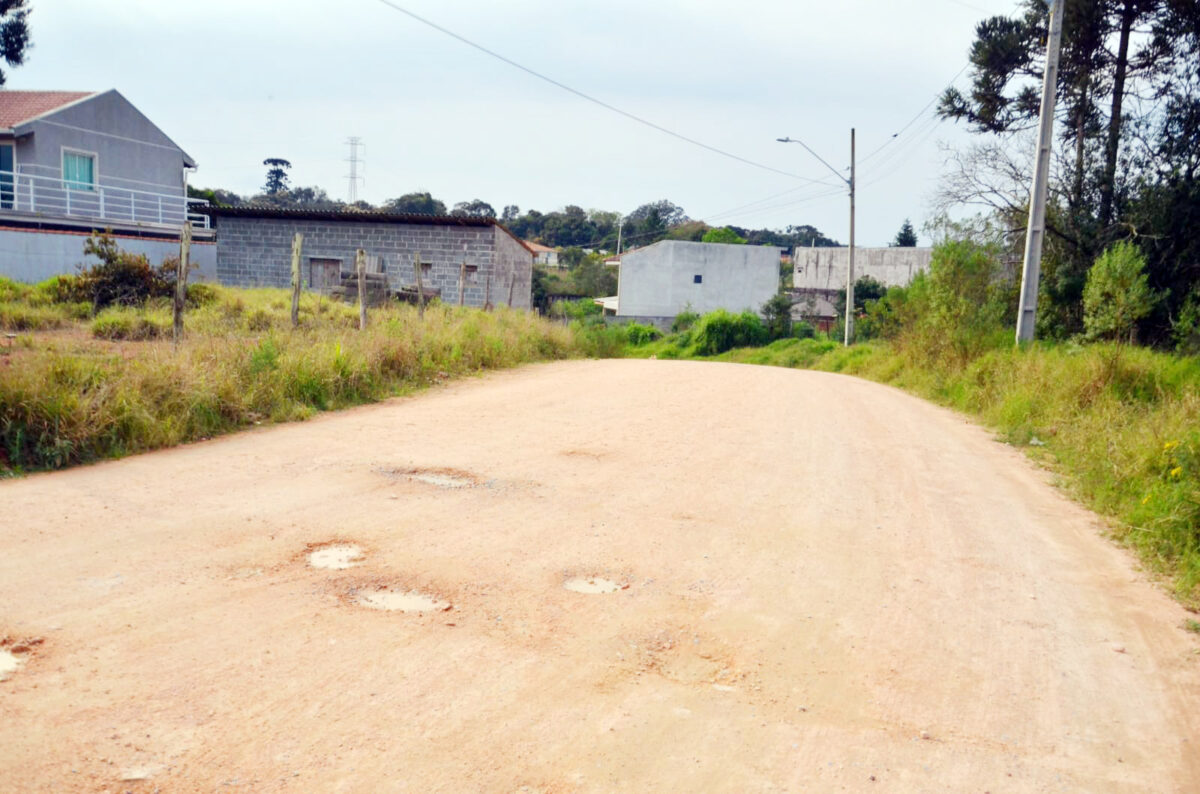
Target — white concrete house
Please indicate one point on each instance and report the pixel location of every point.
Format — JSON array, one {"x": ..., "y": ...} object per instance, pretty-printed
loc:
[{"x": 661, "y": 280}]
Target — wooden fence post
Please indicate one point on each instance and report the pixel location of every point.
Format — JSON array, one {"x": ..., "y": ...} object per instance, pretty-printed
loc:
[
  {"x": 462, "y": 278},
  {"x": 487, "y": 296},
  {"x": 420, "y": 287},
  {"x": 181, "y": 274},
  {"x": 360, "y": 266},
  {"x": 297, "y": 246}
]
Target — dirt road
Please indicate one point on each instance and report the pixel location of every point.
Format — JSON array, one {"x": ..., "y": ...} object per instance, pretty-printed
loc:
[{"x": 817, "y": 584}]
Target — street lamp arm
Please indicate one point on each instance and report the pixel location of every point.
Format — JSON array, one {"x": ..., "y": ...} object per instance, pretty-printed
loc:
[{"x": 814, "y": 154}]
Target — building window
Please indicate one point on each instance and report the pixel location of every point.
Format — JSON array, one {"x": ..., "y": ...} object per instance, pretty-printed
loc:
[
  {"x": 697, "y": 279},
  {"x": 6, "y": 176},
  {"x": 79, "y": 171}
]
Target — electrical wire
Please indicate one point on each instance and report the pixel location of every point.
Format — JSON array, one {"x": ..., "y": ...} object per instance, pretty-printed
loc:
[
  {"x": 594, "y": 100},
  {"x": 920, "y": 113}
]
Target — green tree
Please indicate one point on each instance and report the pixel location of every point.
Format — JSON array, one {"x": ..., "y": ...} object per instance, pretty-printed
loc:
[
  {"x": 723, "y": 235},
  {"x": 416, "y": 203},
  {"x": 277, "y": 176},
  {"x": 906, "y": 237},
  {"x": 14, "y": 33},
  {"x": 474, "y": 209},
  {"x": 1117, "y": 294},
  {"x": 777, "y": 315}
]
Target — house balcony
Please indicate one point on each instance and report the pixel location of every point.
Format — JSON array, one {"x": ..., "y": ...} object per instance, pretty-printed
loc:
[{"x": 31, "y": 200}]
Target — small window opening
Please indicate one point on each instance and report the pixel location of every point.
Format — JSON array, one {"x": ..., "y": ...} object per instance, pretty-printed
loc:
[{"x": 697, "y": 279}]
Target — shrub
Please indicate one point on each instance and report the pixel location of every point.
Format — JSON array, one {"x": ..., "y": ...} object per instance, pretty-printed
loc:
[
  {"x": 1117, "y": 293},
  {"x": 64, "y": 289},
  {"x": 639, "y": 334},
  {"x": 721, "y": 330},
  {"x": 684, "y": 320},
  {"x": 778, "y": 314},
  {"x": 803, "y": 330},
  {"x": 200, "y": 295},
  {"x": 120, "y": 278}
]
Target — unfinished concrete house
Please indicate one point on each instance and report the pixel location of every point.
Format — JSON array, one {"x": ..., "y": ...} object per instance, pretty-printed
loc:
[{"x": 492, "y": 266}]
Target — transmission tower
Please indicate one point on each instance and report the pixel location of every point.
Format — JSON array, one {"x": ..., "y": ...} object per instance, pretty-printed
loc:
[{"x": 354, "y": 176}]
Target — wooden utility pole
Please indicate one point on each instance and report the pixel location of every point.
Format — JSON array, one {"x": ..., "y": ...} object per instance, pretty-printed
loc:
[
  {"x": 850, "y": 269},
  {"x": 181, "y": 274},
  {"x": 1035, "y": 234},
  {"x": 360, "y": 267},
  {"x": 297, "y": 246},
  {"x": 420, "y": 286},
  {"x": 462, "y": 280}
]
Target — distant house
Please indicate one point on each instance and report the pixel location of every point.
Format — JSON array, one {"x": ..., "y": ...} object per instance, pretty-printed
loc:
[
  {"x": 543, "y": 254},
  {"x": 661, "y": 280},
  {"x": 75, "y": 162},
  {"x": 825, "y": 268},
  {"x": 492, "y": 266}
]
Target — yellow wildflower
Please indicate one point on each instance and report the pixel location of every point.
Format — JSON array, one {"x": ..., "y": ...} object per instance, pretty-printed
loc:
[{"x": 1175, "y": 472}]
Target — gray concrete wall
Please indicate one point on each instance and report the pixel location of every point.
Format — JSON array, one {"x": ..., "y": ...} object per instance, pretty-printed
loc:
[
  {"x": 514, "y": 262},
  {"x": 33, "y": 255},
  {"x": 254, "y": 252},
  {"x": 131, "y": 152},
  {"x": 659, "y": 280},
  {"x": 825, "y": 268}
]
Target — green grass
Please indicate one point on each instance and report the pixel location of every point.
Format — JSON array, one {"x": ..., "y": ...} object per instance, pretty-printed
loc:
[{"x": 70, "y": 399}]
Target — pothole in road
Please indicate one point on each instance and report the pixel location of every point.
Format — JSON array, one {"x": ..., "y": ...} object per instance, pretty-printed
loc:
[
  {"x": 407, "y": 601},
  {"x": 336, "y": 556},
  {"x": 9, "y": 662},
  {"x": 439, "y": 478},
  {"x": 593, "y": 585},
  {"x": 13, "y": 653}
]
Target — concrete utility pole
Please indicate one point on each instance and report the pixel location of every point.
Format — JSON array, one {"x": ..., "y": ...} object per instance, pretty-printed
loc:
[
  {"x": 354, "y": 160},
  {"x": 620, "y": 229},
  {"x": 1035, "y": 234},
  {"x": 850, "y": 270}
]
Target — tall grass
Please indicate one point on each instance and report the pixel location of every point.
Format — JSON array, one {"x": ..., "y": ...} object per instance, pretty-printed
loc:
[{"x": 69, "y": 401}]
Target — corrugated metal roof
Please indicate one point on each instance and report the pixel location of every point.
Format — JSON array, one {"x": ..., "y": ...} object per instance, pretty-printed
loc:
[
  {"x": 17, "y": 107},
  {"x": 352, "y": 216}
]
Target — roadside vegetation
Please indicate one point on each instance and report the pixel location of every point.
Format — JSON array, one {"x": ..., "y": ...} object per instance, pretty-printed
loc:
[
  {"x": 80, "y": 383},
  {"x": 1120, "y": 423}
]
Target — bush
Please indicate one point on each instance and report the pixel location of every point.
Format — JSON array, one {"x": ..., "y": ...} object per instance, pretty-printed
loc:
[
  {"x": 121, "y": 278},
  {"x": 639, "y": 334},
  {"x": 64, "y": 289},
  {"x": 803, "y": 330},
  {"x": 1117, "y": 294},
  {"x": 200, "y": 295},
  {"x": 684, "y": 320},
  {"x": 720, "y": 331},
  {"x": 778, "y": 314}
]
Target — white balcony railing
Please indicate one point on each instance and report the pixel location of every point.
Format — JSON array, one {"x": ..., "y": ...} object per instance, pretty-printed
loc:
[{"x": 51, "y": 196}]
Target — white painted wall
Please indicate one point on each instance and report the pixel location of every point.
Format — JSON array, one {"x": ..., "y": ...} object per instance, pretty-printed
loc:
[
  {"x": 660, "y": 280},
  {"x": 825, "y": 268},
  {"x": 32, "y": 256}
]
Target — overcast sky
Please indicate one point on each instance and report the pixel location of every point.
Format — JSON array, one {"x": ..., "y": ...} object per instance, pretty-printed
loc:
[{"x": 236, "y": 81}]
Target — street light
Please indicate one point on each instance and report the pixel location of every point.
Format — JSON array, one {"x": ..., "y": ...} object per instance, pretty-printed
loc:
[{"x": 850, "y": 271}]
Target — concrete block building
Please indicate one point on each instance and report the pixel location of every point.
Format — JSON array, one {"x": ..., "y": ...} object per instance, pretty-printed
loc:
[
  {"x": 254, "y": 248},
  {"x": 661, "y": 280},
  {"x": 825, "y": 268}
]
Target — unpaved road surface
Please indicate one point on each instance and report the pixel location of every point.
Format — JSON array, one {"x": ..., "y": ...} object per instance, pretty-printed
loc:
[{"x": 779, "y": 581}]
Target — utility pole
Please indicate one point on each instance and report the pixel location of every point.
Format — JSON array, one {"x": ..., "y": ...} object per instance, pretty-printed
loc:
[
  {"x": 620, "y": 229},
  {"x": 354, "y": 143},
  {"x": 1035, "y": 233},
  {"x": 850, "y": 269}
]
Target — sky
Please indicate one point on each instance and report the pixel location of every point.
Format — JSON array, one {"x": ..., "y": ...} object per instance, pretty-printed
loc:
[{"x": 236, "y": 81}]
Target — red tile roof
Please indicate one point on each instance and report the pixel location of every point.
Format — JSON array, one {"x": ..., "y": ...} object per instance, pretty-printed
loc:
[{"x": 19, "y": 106}]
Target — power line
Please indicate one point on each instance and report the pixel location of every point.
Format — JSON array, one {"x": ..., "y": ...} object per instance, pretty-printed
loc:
[
  {"x": 594, "y": 100},
  {"x": 920, "y": 113}
]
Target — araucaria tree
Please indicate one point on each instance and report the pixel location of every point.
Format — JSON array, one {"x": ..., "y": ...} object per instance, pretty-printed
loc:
[
  {"x": 14, "y": 32},
  {"x": 1128, "y": 127},
  {"x": 906, "y": 237},
  {"x": 277, "y": 177}
]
